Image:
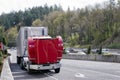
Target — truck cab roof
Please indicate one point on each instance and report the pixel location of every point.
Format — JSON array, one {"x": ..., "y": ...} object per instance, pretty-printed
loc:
[{"x": 42, "y": 37}]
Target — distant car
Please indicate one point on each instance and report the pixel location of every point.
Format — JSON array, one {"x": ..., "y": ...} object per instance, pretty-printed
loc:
[
  {"x": 66, "y": 50},
  {"x": 84, "y": 50},
  {"x": 94, "y": 50},
  {"x": 70, "y": 50},
  {"x": 82, "y": 53},
  {"x": 105, "y": 50},
  {"x": 78, "y": 53}
]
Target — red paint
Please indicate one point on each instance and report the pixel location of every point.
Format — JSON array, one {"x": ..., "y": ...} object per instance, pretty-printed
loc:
[
  {"x": 31, "y": 50},
  {"x": 42, "y": 51},
  {"x": 0, "y": 46}
]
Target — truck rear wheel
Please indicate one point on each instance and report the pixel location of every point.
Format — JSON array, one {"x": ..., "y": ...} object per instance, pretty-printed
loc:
[
  {"x": 57, "y": 70},
  {"x": 18, "y": 60}
]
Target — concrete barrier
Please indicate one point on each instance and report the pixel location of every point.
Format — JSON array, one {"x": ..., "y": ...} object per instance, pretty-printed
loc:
[
  {"x": 93, "y": 57},
  {"x": 117, "y": 58},
  {"x": 6, "y": 71},
  {"x": 106, "y": 58}
]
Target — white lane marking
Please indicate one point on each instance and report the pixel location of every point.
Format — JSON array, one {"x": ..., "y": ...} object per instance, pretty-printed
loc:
[
  {"x": 50, "y": 76},
  {"x": 77, "y": 74},
  {"x": 80, "y": 75}
]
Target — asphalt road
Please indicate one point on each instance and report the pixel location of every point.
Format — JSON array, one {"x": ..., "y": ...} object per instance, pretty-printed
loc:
[{"x": 70, "y": 70}]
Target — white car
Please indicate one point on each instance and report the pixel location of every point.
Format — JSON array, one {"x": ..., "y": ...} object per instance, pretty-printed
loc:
[{"x": 105, "y": 51}]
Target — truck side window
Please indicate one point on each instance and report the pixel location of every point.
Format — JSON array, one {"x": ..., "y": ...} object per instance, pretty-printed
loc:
[{"x": 26, "y": 34}]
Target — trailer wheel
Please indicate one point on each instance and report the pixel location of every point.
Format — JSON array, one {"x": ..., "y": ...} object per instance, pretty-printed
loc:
[{"x": 57, "y": 70}]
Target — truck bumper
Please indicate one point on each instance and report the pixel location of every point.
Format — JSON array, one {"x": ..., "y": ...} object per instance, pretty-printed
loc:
[{"x": 45, "y": 67}]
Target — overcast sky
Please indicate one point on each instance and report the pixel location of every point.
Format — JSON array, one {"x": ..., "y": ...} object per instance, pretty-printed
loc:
[{"x": 7, "y": 6}]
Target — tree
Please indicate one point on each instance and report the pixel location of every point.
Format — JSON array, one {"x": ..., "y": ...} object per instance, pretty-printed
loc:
[
  {"x": 59, "y": 22},
  {"x": 37, "y": 22},
  {"x": 49, "y": 21},
  {"x": 1, "y": 33},
  {"x": 27, "y": 17},
  {"x": 11, "y": 36}
]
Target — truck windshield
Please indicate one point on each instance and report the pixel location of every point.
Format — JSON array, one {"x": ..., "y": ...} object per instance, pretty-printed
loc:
[{"x": 35, "y": 32}]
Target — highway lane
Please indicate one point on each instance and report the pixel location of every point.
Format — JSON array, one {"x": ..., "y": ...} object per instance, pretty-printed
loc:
[{"x": 71, "y": 70}]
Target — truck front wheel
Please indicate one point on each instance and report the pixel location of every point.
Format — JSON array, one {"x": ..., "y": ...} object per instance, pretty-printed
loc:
[
  {"x": 57, "y": 70},
  {"x": 28, "y": 69}
]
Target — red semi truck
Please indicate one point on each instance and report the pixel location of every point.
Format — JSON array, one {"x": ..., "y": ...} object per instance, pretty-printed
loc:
[{"x": 38, "y": 51}]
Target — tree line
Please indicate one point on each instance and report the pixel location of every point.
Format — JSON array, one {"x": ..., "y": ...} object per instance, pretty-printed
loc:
[
  {"x": 26, "y": 17},
  {"x": 10, "y": 22},
  {"x": 98, "y": 25}
]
